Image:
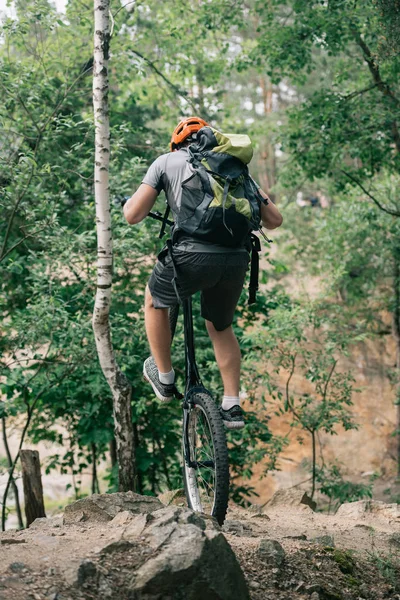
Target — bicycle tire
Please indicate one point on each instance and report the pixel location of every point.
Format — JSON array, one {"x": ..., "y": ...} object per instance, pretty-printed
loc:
[{"x": 206, "y": 408}]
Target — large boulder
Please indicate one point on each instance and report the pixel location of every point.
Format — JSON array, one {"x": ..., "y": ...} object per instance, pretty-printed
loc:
[
  {"x": 291, "y": 497},
  {"x": 100, "y": 508},
  {"x": 172, "y": 553},
  {"x": 363, "y": 508},
  {"x": 191, "y": 563}
]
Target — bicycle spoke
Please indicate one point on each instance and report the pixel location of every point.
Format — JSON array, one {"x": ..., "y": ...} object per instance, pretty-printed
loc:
[{"x": 201, "y": 477}]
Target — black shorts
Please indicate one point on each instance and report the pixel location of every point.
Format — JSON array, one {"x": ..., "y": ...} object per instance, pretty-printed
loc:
[{"x": 219, "y": 277}]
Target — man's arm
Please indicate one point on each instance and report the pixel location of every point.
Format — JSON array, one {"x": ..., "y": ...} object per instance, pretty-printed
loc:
[
  {"x": 270, "y": 216},
  {"x": 140, "y": 204}
]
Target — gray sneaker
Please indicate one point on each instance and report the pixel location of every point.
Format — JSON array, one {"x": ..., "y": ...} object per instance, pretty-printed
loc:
[
  {"x": 164, "y": 392},
  {"x": 233, "y": 418}
]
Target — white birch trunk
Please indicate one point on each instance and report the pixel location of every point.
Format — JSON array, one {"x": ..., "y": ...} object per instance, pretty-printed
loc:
[{"x": 119, "y": 384}]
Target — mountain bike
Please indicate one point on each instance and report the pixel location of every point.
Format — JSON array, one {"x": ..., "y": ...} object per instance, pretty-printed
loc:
[{"x": 204, "y": 447}]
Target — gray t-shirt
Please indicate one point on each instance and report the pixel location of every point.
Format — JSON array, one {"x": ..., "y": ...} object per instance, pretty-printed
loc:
[{"x": 167, "y": 173}]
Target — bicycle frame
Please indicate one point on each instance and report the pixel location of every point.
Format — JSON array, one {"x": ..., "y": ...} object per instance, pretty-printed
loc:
[{"x": 192, "y": 376}]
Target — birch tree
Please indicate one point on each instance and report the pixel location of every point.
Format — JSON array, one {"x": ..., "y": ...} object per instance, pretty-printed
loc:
[{"x": 120, "y": 387}]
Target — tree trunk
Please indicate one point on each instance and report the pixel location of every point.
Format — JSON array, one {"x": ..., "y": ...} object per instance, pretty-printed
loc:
[
  {"x": 13, "y": 484},
  {"x": 314, "y": 463},
  {"x": 33, "y": 490},
  {"x": 113, "y": 452},
  {"x": 396, "y": 332},
  {"x": 95, "y": 480},
  {"x": 268, "y": 174},
  {"x": 119, "y": 384}
]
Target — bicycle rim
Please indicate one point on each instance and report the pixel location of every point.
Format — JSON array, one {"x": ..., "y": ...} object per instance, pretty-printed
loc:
[{"x": 206, "y": 478}]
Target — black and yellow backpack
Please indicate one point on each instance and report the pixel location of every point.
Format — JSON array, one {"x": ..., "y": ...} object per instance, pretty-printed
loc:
[{"x": 220, "y": 202}]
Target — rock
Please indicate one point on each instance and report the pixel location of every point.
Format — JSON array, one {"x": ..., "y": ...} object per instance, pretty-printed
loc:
[
  {"x": 136, "y": 526},
  {"x": 359, "y": 509},
  {"x": 314, "y": 596},
  {"x": 170, "y": 496},
  {"x": 122, "y": 518},
  {"x": 254, "y": 585},
  {"x": 255, "y": 509},
  {"x": 100, "y": 508},
  {"x": 394, "y": 539},
  {"x": 260, "y": 516},
  {"x": 167, "y": 520},
  {"x": 46, "y": 522},
  {"x": 191, "y": 562},
  {"x": 86, "y": 570},
  {"x": 324, "y": 540},
  {"x": 364, "y": 526},
  {"x": 301, "y": 536},
  {"x": 79, "y": 572},
  {"x": 313, "y": 588},
  {"x": 239, "y": 528},
  {"x": 271, "y": 552},
  {"x": 17, "y": 567},
  {"x": 120, "y": 546},
  {"x": 291, "y": 497}
]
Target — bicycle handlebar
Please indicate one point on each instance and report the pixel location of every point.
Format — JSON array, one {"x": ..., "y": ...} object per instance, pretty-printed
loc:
[
  {"x": 159, "y": 217},
  {"x": 122, "y": 200}
]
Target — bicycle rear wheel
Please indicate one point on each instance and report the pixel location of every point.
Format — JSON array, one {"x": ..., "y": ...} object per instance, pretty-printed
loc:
[{"x": 205, "y": 458}]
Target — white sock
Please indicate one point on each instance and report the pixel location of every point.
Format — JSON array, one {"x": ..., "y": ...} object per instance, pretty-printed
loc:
[
  {"x": 167, "y": 378},
  {"x": 229, "y": 401}
]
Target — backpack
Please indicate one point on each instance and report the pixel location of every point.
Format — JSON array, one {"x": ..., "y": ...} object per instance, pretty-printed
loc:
[{"x": 220, "y": 203}]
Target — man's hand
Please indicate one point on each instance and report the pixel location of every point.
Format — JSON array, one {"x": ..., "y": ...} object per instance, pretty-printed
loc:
[
  {"x": 270, "y": 216},
  {"x": 140, "y": 204}
]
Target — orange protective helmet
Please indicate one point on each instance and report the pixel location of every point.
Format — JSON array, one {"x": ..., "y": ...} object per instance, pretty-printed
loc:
[{"x": 184, "y": 129}]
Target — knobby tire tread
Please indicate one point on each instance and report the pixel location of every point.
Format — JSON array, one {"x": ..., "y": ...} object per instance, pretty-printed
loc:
[{"x": 221, "y": 456}]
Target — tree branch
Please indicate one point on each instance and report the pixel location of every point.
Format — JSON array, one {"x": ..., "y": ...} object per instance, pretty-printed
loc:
[
  {"x": 174, "y": 87},
  {"x": 374, "y": 68},
  {"x": 382, "y": 85},
  {"x": 10, "y": 222},
  {"x": 394, "y": 213},
  {"x": 328, "y": 380},
  {"x": 29, "y": 235},
  {"x": 359, "y": 92}
]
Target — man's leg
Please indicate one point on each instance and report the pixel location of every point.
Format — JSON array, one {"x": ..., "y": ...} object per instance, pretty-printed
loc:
[
  {"x": 227, "y": 354},
  {"x": 158, "y": 333}
]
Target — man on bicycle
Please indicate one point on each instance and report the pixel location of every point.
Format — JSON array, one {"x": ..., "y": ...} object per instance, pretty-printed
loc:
[{"x": 215, "y": 270}]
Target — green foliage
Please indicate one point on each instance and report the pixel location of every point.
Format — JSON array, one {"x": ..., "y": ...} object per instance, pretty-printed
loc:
[
  {"x": 332, "y": 484},
  {"x": 298, "y": 78},
  {"x": 388, "y": 565},
  {"x": 301, "y": 341},
  {"x": 345, "y": 127}
]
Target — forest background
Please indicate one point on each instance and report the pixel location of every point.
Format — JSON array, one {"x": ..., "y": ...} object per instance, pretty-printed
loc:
[{"x": 315, "y": 85}]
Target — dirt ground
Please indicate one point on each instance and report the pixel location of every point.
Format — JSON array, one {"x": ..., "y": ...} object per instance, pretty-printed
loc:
[{"x": 354, "y": 556}]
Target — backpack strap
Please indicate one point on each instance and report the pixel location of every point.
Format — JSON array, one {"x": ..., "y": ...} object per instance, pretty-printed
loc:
[
  {"x": 164, "y": 221},
  {"x": 254, "y": 267},
  {"x": 228, "y": 181},
  {"x": 174, "y": 267}
]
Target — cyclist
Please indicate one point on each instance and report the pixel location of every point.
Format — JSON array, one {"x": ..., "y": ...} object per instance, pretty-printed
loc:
[{"x": 217, "y": 271}]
